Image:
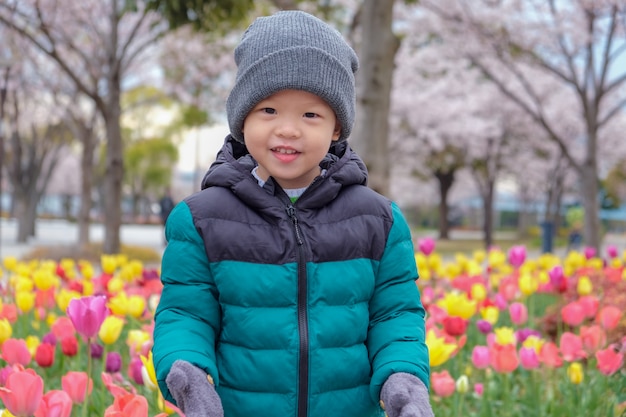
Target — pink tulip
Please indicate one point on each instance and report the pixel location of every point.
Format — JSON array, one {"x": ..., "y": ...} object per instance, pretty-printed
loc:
[
  {"x": 590, "y": 304},
  {"x": 22, "y": 393},
  {"x": 573, "y": 314},
  {"x": 479, "y": 389},
  {"x": 129, "y": 405},
  {"x": 504, "y": 358},
  {"x": 611, "y": 251},
  {"x": 443, "y": 384},
  {"x": 14, "y": 351},
  {"x": 480, "y": 357},
  {"x": 589, "y": 252},
  {"x": 571, "y": 347},
  {"x": 518, "y": 313},
  {"x": 55, "y": 403},
  {"x": 87, "y": 314},
  {"x": 609, "y": 361},
  {"x": 609, "y": 317},
  {"x": 593, "y": 337},
  {"x": 77, "y": 385},
  {"x": 550, "y": 355},
  {"x": 426, "y": 245},
  {"x": 528, "y": 358},
  {"x": 517, "y": 255}
]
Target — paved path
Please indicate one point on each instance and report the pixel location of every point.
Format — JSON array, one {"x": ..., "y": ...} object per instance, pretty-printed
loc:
[{"x": 61, "y": 232}]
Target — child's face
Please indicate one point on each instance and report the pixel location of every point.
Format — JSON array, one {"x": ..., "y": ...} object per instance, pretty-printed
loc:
[{"x": 288, "y": 134}]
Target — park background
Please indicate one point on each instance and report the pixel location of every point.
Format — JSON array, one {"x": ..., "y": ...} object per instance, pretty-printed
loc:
[{"x": 498, "y": 126}]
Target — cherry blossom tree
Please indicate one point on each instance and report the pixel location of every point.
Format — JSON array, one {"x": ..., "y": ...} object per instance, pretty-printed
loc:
[{"x": 580, "y": 45}]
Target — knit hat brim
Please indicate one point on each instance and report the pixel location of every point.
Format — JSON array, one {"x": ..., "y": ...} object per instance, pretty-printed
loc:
[{"x": 324, "y": 76}]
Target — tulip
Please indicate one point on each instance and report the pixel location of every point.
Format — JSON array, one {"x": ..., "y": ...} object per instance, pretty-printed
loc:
[
  {"x": 573, "y": 314},
  {"x": 609, "y": 317},
  {"x": 22, "y": 392},
  {"x": 503, "y": 358},
  {"x": 575, "y": 373},
  {"x": 518, "y": 313},
  {"x": 550, "y": 356},
  {"x": 426, "y": 245},
  {"x": 77, "y": 385},
  {"x": 69, "y": 346},
  {"x": 454, "y": 326},
  {"x": 6, "y": 331},
  {"x": 25, "y": 301},
  {"x": 590, "y": 304},
  {"x": 517, "y": 256},
  {"x": 44, "y": 356},
  {"x": 128, "y": 405},
  {"x": 505, "y": 336},
  {"x": 443, "y": 384},
  {"x": 593, "y": 337},
  {"x": 15, "y": 351},
  {"x": 87, "y": 314},
  {"x": 611, "y": 251},
  {"x": 134, "y": 370},
  {"x": 528, "y": 358},
  {"x": 484, "y": 326},
  {"x": 63, "y": 327},
  {"x": 462, "y": 384},
  {"x": 609, "y": 361},
  {"x": 149, "y": 376},
  {"x": 439, "y": 350},
  {"x": 571, "y": 347},
  {"x": 480, "y": 357},
  {"x": 589, "y": 252},
  {"x": 584, "y": 286},
  {"x": 528, "y": 284},
  {"x": 490, "y": 314},
  {"x": 111, "y": 329},
  {"x": 522, "y": 334},
  {"x": 113, "y": 362},
  {"x": 55, "y": 403},
  {"x": 479, "y": 389},
  {"x": 136, "y": 306}
]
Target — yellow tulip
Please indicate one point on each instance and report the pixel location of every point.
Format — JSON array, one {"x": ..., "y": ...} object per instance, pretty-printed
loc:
[
  {"x": 478, "y": 292},
  {"x": 108, "y": 264},
  {"x": 136, "y": 339},
  {"x": 119, "y": 304},
  {"x": 505, "y": 336},
  {"x": 10, "y": 263},
  {"x": 6, "y": 331},
  {"x": 479, "y": 256},
  {"x": 528, "y": 284},
  {"x": 86, "y": 269},
  {"x": 64, "y": 297},
  {"x": 136, "y": 306},
  {"x": 575, "y": 373},
  {"x": 115, "y": 285},
  {"x": 148, "y": 367},
  {"x": 534, "y": 342},
  {"x": 44, "y": 279},
  {"x": 584, "y": 286},
  {"x": 490, "y": 314},
  {"x": 474, "y": 268},
  {"x": 32, "y": 342},
  {"x": 457, "y": 304},
  {"x": 439, "y": 351},
  {"x": 23, "y": 283},
  {"x": 462, "y": 384},
  {"x": 88, "y": 288},
  {"x": 25, "y": 300},
  {"x": 111, "y": 329}
]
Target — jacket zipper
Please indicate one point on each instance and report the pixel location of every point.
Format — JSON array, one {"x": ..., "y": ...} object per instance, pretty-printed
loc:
[{"x": 303, "y": 326}]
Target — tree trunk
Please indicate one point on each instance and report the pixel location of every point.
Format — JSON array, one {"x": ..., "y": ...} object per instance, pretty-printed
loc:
[
  {"x": 488, "y": 217},
  {"x": 377, "y": 51},
  {"x": 113, "y": 177},
  {"x": 86, "y": 185},
  {"x": 590, "y": 189},
  {"x": 445, "y": 179}
]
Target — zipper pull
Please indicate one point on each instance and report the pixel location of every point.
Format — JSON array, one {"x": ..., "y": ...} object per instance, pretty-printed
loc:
[{"x": 291, "y": 212}]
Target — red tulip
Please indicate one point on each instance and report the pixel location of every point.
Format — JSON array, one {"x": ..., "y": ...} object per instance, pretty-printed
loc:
[
  {"x": 55, "y": 403},
  {"x": 504, "y": 358},
  {"x": 609, "y": 317},
  {"x": 442, "y": 384},
  {"x": 87, "y": 314},
  {"x": 14, "y": 351},
  {"x": 69, "y": 346},
  {"x": 22, "y": 392},
  {"x": 75, "y": 384},
  {"x": 573, "y": 314},
  {"x": 609, "y": 361},
  {"x": 44, "y": 356},
  {"x": 454, "y": 326}
]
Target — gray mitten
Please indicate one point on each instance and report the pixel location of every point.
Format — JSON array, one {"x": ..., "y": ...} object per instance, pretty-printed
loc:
[
  {"x": 195, "y": 395},
  {"x": 405, "y": 395}
]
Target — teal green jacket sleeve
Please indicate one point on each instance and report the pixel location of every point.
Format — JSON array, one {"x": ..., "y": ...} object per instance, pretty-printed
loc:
[
  {"x": 187, "y": 318},
  {"x": 397, "y": 336}
]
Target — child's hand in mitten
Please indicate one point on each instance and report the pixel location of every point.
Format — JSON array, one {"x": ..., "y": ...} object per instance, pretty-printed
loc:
[
  {"x": 194, "y": 394},
  {"x": 405, "y": 395}
]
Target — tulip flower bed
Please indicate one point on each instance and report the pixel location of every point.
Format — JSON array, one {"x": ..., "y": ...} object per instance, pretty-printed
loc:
[{"x": 508, "y": 336}]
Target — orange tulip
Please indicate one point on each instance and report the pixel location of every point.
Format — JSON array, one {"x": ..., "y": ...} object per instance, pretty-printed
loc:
[
  {"x": 75, "y": 384},
  {"x": 22, "y": 392},
  {"x": 129, "y": 405},
  {"x": 504, "y": 358}
]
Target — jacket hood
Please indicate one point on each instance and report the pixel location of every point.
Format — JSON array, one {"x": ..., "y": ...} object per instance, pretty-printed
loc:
[{"x": 233, "y": 169}]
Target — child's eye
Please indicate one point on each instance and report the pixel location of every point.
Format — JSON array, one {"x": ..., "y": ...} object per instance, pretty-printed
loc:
[
  {"x": 310, "y": 115},
  {"x": 269, "y": 110}
]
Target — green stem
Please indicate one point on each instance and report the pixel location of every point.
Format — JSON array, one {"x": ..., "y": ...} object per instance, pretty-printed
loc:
[{"x": 86, "y": 402}]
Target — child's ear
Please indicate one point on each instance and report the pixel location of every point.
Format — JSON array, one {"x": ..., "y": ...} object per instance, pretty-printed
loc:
[{"x": 336, "y": 132}]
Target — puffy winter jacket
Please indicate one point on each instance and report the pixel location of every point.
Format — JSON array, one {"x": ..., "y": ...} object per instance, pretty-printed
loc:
[{"x": 299, "y": 309}]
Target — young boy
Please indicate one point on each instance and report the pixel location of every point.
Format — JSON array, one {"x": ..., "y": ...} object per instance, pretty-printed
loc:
[{"x": 289, "y": 286}]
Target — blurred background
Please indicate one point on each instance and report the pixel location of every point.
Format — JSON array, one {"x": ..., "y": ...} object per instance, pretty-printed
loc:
[{"x": 481, "y": 118}]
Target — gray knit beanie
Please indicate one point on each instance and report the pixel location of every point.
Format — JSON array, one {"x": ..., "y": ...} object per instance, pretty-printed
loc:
[{"x": 293, "y": 50}]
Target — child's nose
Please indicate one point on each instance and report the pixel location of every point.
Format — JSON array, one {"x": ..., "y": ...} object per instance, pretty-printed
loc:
[{"x": 288, "y": 129}]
